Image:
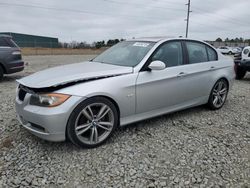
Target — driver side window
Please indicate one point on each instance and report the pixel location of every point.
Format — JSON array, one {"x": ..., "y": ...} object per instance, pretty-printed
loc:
[{"x": 169, "y": 53}]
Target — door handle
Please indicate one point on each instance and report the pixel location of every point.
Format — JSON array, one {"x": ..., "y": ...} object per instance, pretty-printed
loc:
[
  {"x": 181, "y": 74},
  {"x": 212, "y": 68}
]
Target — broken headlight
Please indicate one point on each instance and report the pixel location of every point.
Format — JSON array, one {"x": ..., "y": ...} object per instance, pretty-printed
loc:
[{"x": 48, "y": 100}]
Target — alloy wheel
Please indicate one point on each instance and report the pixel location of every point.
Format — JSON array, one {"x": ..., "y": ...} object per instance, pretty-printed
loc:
[
  {"x": 219, "y": 93},
  {"x": 94, "y": 123}
]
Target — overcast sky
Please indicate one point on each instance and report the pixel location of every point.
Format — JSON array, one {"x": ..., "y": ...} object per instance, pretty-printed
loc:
[{"x": 94, "y": 20}]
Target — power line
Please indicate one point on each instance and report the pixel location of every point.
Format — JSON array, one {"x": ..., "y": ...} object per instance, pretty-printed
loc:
[
  {"x": 175, "y": 3},
  {"x": 104, "y": 13},
  {"x": 176, "y": 9},
  {"x": 78, "y": 11},
  {"x": 214, "y": 26},
  {"x": 218, "y": 15},
  {"x": 140, "y": 4}
]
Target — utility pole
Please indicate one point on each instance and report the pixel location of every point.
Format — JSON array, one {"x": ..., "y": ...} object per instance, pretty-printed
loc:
[{"x": 187, "y": 20}]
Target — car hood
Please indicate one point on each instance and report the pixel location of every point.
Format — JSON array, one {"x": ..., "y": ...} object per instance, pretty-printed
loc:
[{"x": 73, "y": 73}]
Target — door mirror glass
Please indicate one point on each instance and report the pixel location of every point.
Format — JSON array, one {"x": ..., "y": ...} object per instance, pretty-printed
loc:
[{"x": 157, "y": 65}]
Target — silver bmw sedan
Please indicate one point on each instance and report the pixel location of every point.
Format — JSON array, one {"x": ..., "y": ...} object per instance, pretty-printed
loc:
[{"x": 131, "y": 81}]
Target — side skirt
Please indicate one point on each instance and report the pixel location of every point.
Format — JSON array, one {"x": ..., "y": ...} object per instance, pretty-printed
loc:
[{"x": 162, "y": 111}]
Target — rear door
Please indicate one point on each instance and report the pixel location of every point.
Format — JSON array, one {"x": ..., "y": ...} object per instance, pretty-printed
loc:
[{"x": 202, "y": 62}]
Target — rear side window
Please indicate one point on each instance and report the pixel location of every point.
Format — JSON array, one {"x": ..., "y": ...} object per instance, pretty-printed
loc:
[
  {"x": 4, "y": 42},
  {"x": 12, "y": 43},
  {"x": 212, "y": 55},
  {"x": 7, "y": 42},
  {"x": 245, "y": 51},
  {"x": 196, "y": 52}
]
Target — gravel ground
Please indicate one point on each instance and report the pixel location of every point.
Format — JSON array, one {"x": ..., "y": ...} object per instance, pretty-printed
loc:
[{"x": 192, "y": 148}]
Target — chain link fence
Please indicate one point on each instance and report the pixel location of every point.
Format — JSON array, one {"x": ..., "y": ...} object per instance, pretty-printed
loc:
[
  {"x": 50, "y": 48},
  {"x": 229, "y": 44}
]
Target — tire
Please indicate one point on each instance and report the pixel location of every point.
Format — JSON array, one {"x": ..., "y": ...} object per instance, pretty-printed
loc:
[
  {"x": 92, "y": 122},
  {"x": 220, "y": 92},
  {"x": 1, "y": 73},
  {"x": 240, "y": 73},
  {"x": 230, "y": 53}
]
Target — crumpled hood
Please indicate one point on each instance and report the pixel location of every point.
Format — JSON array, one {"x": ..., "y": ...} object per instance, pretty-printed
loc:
[{"x": 72, "y": 73}]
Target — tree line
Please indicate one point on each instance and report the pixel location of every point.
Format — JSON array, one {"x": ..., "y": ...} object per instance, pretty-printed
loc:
[
  {"x": 96, "y": 44},
  {"x": 111, "y": 42},
  {"x": 236, "y": 40}
]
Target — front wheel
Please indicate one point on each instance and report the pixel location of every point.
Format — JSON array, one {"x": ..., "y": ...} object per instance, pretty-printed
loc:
[
  {"x": 218, "y": 94},
  {"x": 92, "y": 122}
]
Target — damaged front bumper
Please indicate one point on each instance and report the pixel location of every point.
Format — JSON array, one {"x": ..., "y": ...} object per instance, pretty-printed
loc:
[{"x": 46, "y": 123}]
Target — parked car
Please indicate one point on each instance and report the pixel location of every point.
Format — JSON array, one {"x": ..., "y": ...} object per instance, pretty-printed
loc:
[
  {"x": 237, "y": 50},
  {"x": 131, "y": 81},
  {"x": 10, "y": 56},
  {"x": 226, "y": 50},
  {"x": 242, "y": 63}
]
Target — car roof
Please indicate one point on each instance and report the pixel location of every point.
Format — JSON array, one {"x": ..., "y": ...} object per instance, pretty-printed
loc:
[
  {"x": 158, "y": 39},
  {"x": 150, "y": 39}
]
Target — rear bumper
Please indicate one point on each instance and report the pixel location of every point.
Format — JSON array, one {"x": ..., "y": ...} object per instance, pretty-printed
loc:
[{"x": 14, "y": 66}]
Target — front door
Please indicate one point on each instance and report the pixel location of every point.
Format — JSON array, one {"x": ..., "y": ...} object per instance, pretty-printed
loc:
[{"x": 158, "y": 89}]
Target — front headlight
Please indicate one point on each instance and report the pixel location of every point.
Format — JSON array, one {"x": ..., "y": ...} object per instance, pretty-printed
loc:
[{"x": 48, "y": 100}]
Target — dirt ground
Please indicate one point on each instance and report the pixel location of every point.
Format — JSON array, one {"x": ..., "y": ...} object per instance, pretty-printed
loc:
[{"x": 60, "y": 51}]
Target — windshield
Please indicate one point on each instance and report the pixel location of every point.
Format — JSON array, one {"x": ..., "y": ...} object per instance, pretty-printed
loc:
[{"x": 128, "y": 53}]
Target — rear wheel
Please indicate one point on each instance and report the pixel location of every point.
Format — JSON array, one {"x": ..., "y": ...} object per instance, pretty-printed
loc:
[
  {"x": 218, "y": 94},
  {"x": 92, "y": 122},
  {"x": 230, "y": 53},
  {"x": 240, "y": 73},
  {"x": 1, "y": 73}
]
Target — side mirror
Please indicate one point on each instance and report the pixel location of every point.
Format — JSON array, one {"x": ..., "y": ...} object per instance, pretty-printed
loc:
[{"x": 157, "y": 65}]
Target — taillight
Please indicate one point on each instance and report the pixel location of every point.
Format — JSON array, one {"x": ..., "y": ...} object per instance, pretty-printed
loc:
[{"x": 16, "y": 53}]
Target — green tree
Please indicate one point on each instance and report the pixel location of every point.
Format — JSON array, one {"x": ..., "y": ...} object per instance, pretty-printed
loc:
[
  {"x": 247, "y": 41},
  {"x": 112, "y": 42},
  {"x": 218, "y": 40},
  {"x": 99, "y": 44},
  {"x": 236, "y": 39}
]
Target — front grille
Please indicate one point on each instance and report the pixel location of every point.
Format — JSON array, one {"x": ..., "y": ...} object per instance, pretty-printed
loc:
[
  {"x": 16, "y": 57},
  {"x": 21, "y": 94}
]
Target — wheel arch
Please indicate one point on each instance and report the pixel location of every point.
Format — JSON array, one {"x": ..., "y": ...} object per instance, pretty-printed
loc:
[
  {"x": 216, "y": 80},
  {"x": 224, "y": 78},
  {"x": 106, "y": 97},
  {"x": 4, "y": 69},
  {"x": 209, "y": 99},
  {"x": 111, "y": 100},
  {"x": 68, "y": 137}
]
